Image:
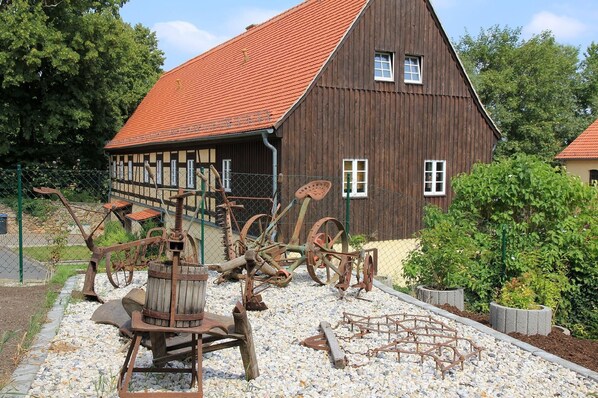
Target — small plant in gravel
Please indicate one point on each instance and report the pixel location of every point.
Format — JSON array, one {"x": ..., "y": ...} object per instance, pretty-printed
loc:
[{"x": 105, "y": 385}]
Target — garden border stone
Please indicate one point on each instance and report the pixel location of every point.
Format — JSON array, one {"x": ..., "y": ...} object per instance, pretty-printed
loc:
[{"x": 454, "y": 297}]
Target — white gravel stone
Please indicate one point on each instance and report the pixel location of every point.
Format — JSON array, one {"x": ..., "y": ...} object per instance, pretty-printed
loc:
[{"x": 85, "y": 358}]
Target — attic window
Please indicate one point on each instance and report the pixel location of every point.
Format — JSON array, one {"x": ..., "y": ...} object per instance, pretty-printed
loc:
[
  {"x": 413, "y": 71},
  {"x": 383, "y": 67}
]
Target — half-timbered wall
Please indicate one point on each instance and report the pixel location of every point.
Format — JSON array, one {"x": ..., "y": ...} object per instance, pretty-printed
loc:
[
  {"x": 140, "y": 189},
  {"x": 394, "y": 125},
  {"x": 251, "y": 171}
]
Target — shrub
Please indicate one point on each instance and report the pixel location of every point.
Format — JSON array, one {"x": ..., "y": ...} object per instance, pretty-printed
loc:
[
  {"x": 114, "y": 233},
  {"x": 517, "y": 293},
  {"x": 446, "y": 249},
  {"x": 39, "y": 208},
  {"x": 549, "y": 222}
]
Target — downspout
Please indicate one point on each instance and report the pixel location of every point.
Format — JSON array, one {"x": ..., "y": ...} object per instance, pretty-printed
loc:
[{"x": 274, "y": 168}]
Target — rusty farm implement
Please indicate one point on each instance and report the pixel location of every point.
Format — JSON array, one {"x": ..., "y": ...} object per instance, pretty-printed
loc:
[{"x": 325, "y": 252}]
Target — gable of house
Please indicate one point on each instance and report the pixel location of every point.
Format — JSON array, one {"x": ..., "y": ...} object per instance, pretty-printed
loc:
[{"x": 391, "y": 127}]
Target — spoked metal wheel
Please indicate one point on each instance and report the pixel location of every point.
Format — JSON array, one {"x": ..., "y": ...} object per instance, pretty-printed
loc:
[
  {"x": 369, "y": 269},
  {"x": 327, "y": 242},
  {"x": 120, "y": 271},
  {"x": 253, "y": 232}
]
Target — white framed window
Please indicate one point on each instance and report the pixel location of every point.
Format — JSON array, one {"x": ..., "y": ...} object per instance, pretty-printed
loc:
[
  {"x": 190, "y": 173},
  {"x": 159, "y": 171},
  {"x": 121, "y": 170},
  {"x": 146, "y": 178},
  {"x": 130, "y": 170},
  {"x": 435, "y": 177},
  {"x": 114, "y": 167},
  {"x": 174, "y": 172},
  {"x": 226, "y": 177},
  {"x": 356, "y": 171},
  {"x": 383, "y": 67},
  {"x": 413, "y": 70}
]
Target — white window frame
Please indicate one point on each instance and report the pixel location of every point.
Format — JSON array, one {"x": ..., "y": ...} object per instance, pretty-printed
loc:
[
  {"x": 130, "y": 170},
  {"x": 174, "y": 172},
  {"x": 386, "y": 65},
  {"x": 191, "y": 173},
  {"x": 121, "y": 170},
  {"x": 408, "y": 63},
  {"x": 433, "y": 177},
  {"x": 355, "y": 180},
  {"x": 226, "y": 174},
  {"x": 114, "y": 172},
  {"x": 146, "y": 178},
  {"x": 159, "y": 171}
]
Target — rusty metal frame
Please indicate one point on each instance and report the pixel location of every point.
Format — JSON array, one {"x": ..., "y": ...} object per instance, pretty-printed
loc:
[{"x": 416, "y": 335}]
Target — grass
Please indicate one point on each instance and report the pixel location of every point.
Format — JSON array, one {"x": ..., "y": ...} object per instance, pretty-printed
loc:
[
  {"x": 68, "y": 253},
  {"x": 61, "y": 275},
  {"x": 404, "y": 289}
]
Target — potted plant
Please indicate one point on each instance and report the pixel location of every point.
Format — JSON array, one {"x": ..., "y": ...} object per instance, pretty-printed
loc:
[
  {"x": 516, "y": 309},
  {"x": 438, "y": 266}
]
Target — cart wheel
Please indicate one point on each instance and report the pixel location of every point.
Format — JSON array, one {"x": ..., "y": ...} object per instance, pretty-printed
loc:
[
  {"x": 190, "y": 253},
  {"x": 120, "y": 272},
  {"x": 344, "y": 279},
  {"x": 325, "y": 241},
  {"x": 368, "y": 272},
  {"x": 253, "y": 233}
]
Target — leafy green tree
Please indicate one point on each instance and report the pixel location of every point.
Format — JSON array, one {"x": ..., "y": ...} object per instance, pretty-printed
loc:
[
  {"x": 528, "y": 86},
  {"x": 550, "y": 224},
  {"x": 71, "y": 73},
  {"x": 588, "y": 92}
]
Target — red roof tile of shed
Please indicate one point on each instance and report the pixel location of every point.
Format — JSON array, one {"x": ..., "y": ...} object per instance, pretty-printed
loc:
[
  {"x": 583, "y": 147},
  {"x": 117, "y": 204},
  {"x": 143, "y": 215},
  {"x": 246, "y": 84}
]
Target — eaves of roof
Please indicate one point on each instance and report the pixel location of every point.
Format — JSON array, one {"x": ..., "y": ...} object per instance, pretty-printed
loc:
[{"x": 584, "y": 147}]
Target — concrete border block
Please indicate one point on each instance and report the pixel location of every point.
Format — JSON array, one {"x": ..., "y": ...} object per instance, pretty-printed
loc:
[
  {"x": 513, "y": 320},
  {"x": 454, "y": 297}
]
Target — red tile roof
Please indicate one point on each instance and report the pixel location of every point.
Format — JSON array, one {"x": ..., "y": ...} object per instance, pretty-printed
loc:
[
  {"x": 143, "y": 215},
  {"x": 117, "y": 204},
  {"x": 583, "y": 147},
  {"x": 246, "y": 84}
]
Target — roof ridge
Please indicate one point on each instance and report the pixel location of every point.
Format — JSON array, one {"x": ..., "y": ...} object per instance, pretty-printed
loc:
[{"x": 242, "y": 35}]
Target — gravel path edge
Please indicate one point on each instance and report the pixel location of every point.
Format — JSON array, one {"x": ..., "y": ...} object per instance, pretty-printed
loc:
[{"x": 26, "y": 372}]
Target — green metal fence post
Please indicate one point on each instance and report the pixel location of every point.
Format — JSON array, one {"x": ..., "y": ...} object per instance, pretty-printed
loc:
[
  {"x": 20, "y": 219},
  {"x": 203, "y": 212},
  {"x": 503, "y": 247},
  {"x": 348, "y": 204}
]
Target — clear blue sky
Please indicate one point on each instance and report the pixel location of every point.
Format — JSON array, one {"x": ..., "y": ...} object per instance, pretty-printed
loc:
[{"x": 186, "y": 28}]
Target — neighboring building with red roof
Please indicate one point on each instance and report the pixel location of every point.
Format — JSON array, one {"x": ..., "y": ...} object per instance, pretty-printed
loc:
[
  {"x": 581, "y": 156},
  {"x": 370, "y": 89}
]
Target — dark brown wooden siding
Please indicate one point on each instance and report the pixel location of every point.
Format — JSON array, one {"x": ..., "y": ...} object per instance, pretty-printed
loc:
[{"x": 396, "y": 126}]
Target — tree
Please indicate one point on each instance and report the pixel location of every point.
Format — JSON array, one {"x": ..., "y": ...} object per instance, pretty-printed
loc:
[
  {"x": 588, "y": 92},
  {"x": 528, "y": 86},
  {"x": 71, "y": 73}
]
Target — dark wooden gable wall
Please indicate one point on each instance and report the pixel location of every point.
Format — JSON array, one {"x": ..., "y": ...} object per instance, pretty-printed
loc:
[{"x": 396, "y": 126}]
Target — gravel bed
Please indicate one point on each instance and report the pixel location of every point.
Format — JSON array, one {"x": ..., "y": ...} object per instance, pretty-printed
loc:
[{"x": 85, "y": 358}]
